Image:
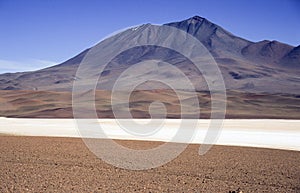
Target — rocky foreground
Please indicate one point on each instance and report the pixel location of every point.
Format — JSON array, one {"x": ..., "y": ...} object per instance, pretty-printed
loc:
[{"x": 41, "y": 164}]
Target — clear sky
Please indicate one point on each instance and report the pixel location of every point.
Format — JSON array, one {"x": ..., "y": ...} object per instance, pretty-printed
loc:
[{"x": 39, "y": 33}]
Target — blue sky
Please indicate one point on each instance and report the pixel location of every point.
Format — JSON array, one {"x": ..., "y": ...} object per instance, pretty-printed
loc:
[{"x": 40, "y": 33}]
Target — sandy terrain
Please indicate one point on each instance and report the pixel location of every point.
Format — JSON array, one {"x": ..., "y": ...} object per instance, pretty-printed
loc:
[
  {"x": 49, "y": 164},
  {"x": 50, "y": 104},
  {"x": 40, "y": 164}
]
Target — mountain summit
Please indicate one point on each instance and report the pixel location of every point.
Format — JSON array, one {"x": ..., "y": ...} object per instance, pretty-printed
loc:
[{"x": 265, "y": 66}]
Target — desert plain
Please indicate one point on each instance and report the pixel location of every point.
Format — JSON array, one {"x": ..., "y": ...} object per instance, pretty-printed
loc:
[
  {"x": 37, "y": 159},
  {"x": 52, "y": 164}
]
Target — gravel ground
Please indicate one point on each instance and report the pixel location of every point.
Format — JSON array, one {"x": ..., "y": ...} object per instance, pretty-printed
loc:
[{"x": 44, "y": 164}]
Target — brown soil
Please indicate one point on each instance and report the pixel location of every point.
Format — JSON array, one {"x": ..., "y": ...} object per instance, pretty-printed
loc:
[
  {"x": 41, "y": 164},
  {"x": 50, "y": 104}
]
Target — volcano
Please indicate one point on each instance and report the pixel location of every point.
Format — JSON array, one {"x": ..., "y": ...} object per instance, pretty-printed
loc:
[{"x": 255, "y": 74}]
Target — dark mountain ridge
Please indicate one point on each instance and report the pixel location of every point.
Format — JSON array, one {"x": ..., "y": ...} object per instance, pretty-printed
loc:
[{"x": 265, "y": 66}]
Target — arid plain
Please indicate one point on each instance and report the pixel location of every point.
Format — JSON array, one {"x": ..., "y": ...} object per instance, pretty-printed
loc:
[{"x": 42, "y": 164}]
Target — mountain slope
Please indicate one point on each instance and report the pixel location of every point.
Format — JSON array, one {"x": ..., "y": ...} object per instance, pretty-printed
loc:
[
  {"x": 215, "y": 38},
  {"x": 49, "y": 104},
  {"x": 266, "y": 66}
]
